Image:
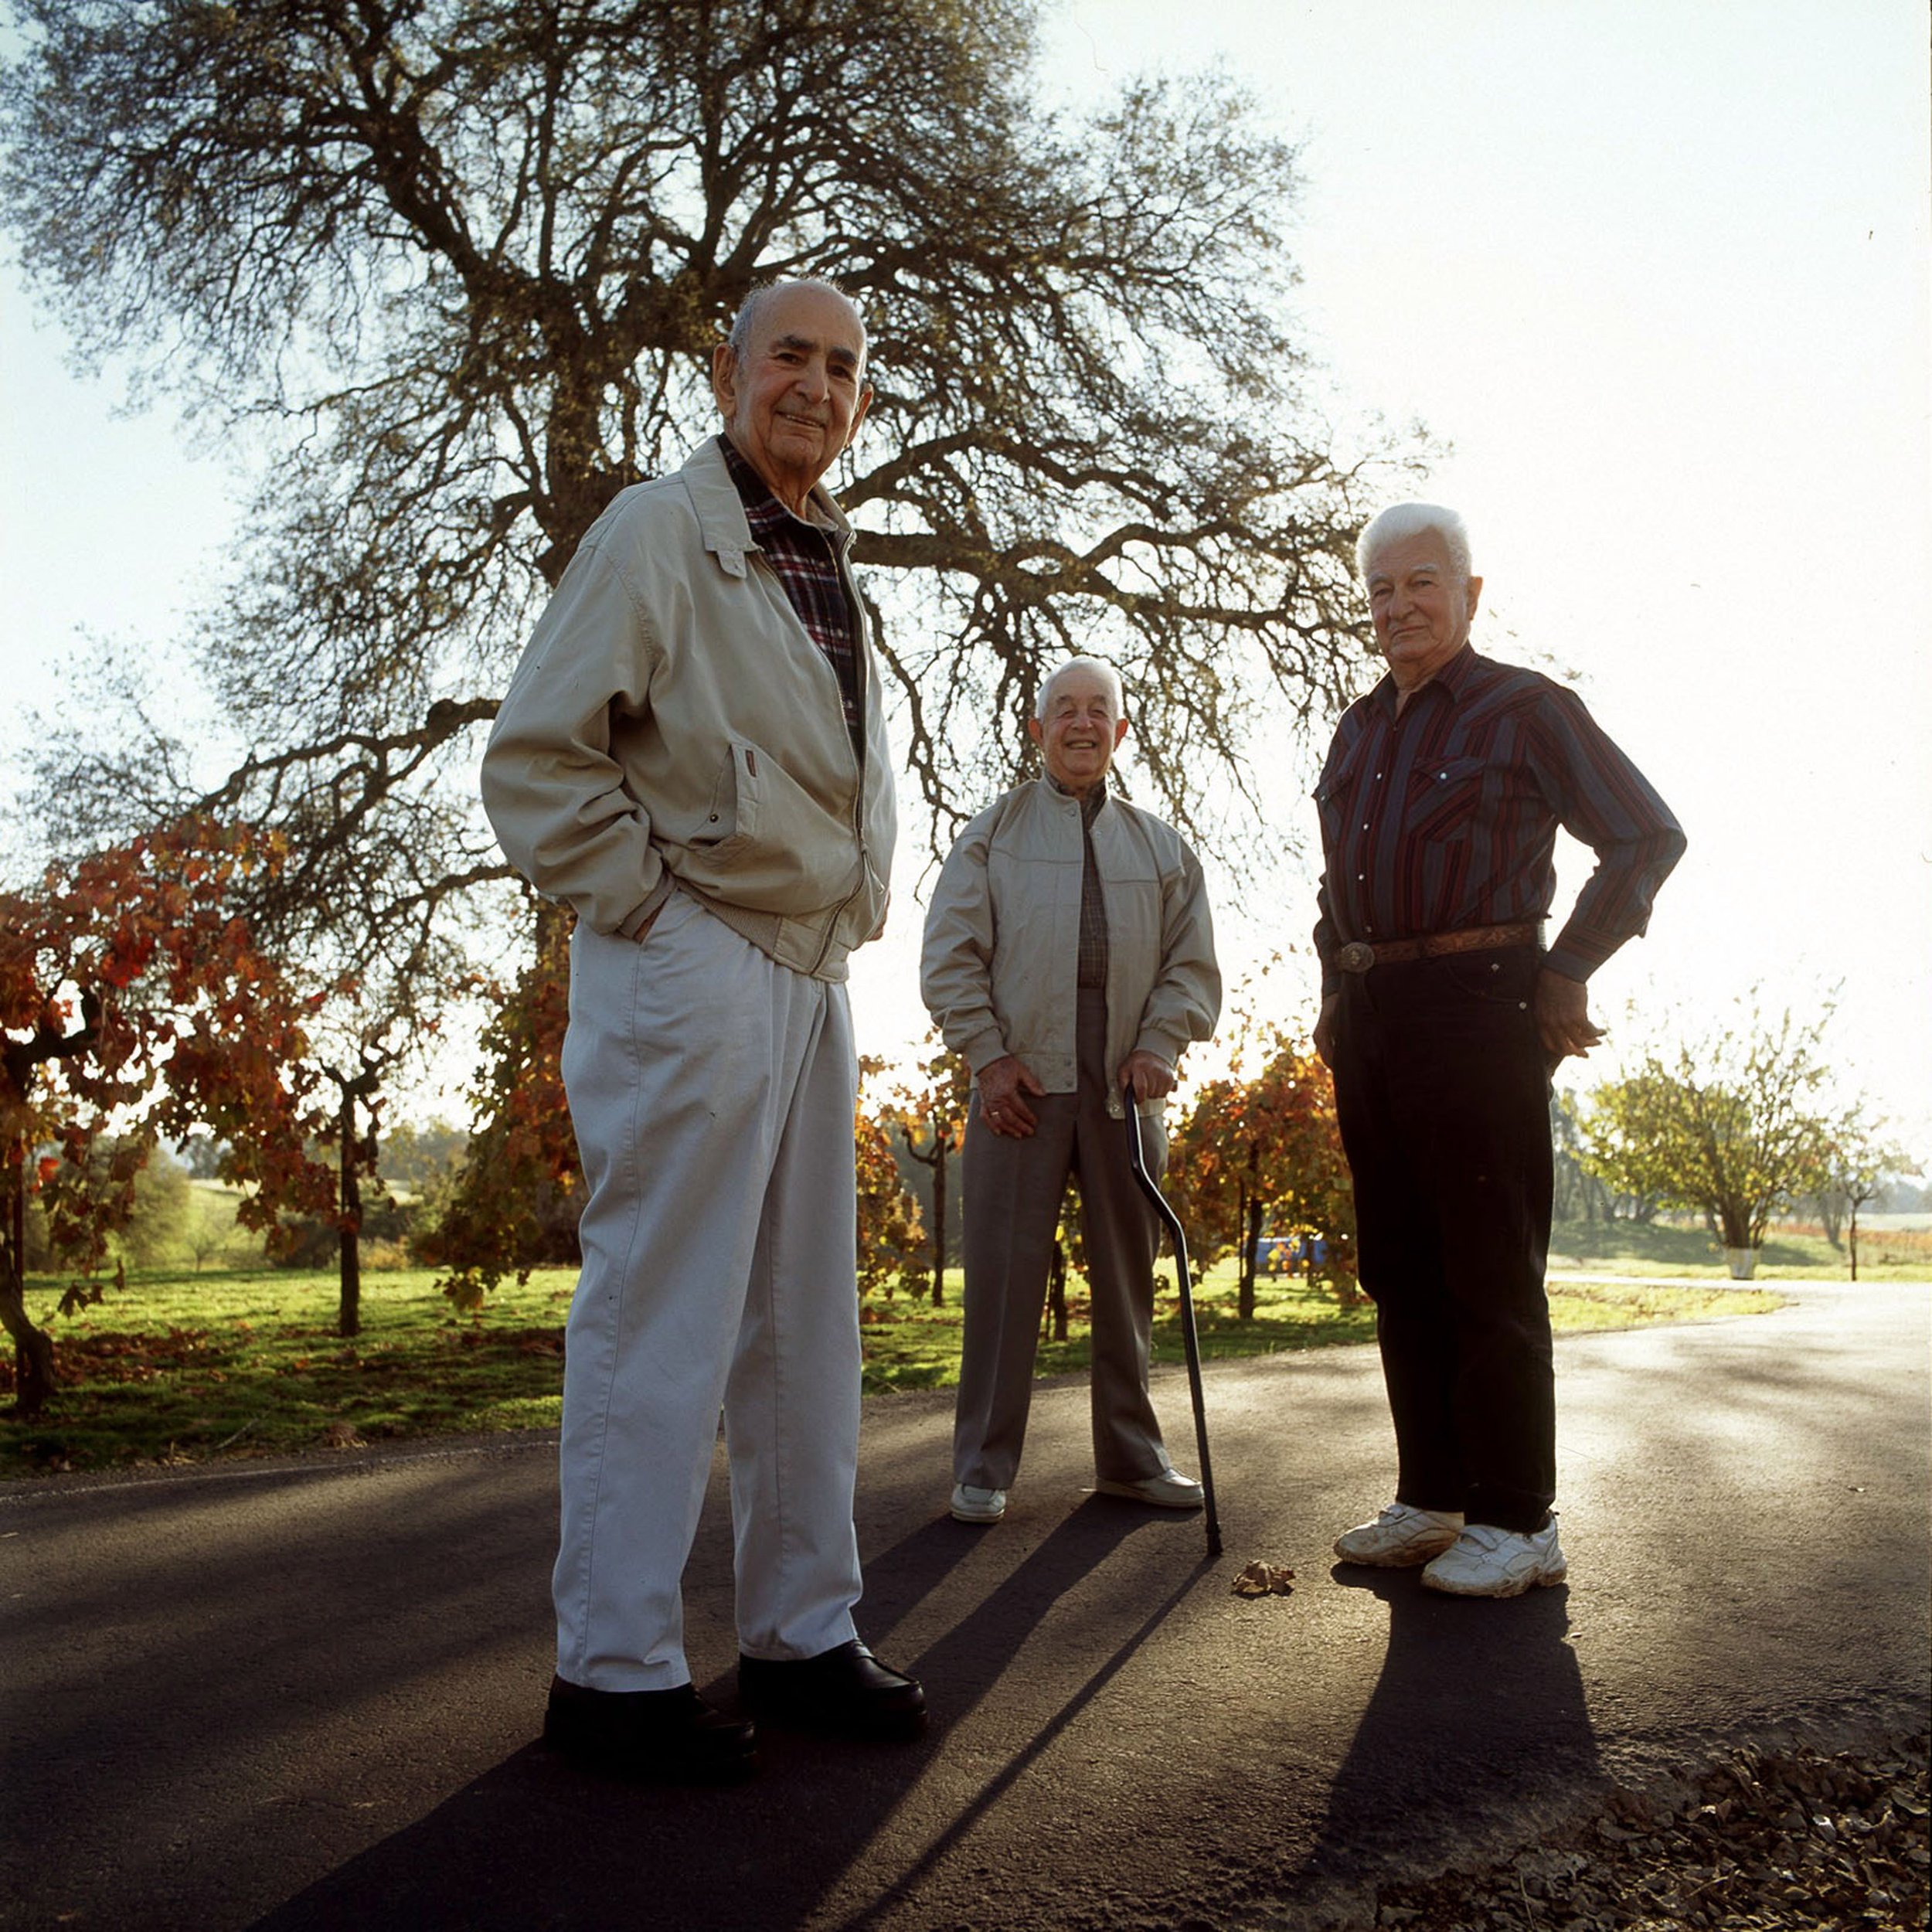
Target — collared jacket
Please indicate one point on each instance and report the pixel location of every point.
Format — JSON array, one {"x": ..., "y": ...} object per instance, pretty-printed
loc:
[
  {"x": 673, "y": 725},
  {"x": 1000, "y": 968}
]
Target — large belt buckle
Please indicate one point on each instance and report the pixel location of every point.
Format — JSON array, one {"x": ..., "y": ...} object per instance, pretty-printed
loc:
[{"x": 1357, "y": 957}]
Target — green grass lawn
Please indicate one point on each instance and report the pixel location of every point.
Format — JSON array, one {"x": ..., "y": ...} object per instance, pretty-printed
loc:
[
  {"x": 246, "y": 1361},
  {"x": 180, "y": 1368},
  {"x": 1628, "y": 1247},
  {"x": 911, "y": 1345}
]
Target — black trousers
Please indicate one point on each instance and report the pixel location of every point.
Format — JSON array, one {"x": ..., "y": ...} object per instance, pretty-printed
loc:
[{"x": 1442, "y": 1092}]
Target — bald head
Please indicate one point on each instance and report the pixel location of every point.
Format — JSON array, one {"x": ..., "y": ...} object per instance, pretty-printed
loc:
[{"x": 791, "y": 384}]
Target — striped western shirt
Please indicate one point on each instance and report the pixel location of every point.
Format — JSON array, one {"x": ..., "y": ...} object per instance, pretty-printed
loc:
[
  {"x": 805, "y": 558},
  {"x": 1445, "y": 817}
]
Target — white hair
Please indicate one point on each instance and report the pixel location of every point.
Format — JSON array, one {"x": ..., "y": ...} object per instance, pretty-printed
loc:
[
  {"x": 1401, "y": 520},
  {"x": 746, "y": 318},
  {"x": 1099, "y": 668}
]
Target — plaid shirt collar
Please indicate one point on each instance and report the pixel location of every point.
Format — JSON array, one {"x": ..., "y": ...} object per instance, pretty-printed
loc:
[
  {"x": 771, "y": 521},
  {"x": 804, "y": 557}
]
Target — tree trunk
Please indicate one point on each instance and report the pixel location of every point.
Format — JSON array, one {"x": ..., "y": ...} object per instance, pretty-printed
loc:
[
  {"x": 1734, "y": 1219},
  {"x": 32, "y": 1347},
  {"x": 348, "y": 1319},
  {"x": 1852, "y": 1236},
  {"x": 1831, "y": 1214},
  {"x": 1251, "y": 1226},
  {"x": 1056, "y": 1292},
  {"x": 939, "y": 1221}
]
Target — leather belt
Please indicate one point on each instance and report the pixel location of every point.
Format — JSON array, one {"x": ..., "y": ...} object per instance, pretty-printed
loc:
[{"x": 1358, "y": 956}]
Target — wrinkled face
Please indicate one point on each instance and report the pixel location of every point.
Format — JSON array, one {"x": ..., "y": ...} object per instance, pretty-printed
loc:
[
  {"x": 1078, "y": 731},
  {"x": 798, "y": 395},
  {"x": 1421, "y": 606}
]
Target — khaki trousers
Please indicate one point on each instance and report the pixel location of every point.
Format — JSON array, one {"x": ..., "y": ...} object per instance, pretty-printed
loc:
[
  {"x": 1013, "y": 1190},
  {"x": 712, "y": 1092}
]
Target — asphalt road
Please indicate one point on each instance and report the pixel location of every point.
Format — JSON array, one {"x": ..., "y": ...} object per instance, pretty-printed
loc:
[{"x": 306, "y": 1694}]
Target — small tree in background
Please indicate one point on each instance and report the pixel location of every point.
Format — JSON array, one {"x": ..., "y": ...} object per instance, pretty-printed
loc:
[
  {"x": 514, "y": 1203},
  {"x": 183, "y": 1024},
  {"x": 1265, "y": 1151},
  {"x": 1859, "y": 1160},
  {"x": 890, "y": 1232},
  {"x": 927, "y": 1110},
  {"x": 1731, "y": 1126}
]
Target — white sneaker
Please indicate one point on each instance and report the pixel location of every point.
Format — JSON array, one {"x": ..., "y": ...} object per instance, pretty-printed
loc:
[
  {"x": 1169, "y": 1490},
  {"x": 1486, "y": 1561},
  {"x": 978, "y": 1506},
  {"x": 1400, "y": 1537}
]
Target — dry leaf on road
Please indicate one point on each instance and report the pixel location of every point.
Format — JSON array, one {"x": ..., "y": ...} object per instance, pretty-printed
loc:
[{"x": 1264, "y": 1580}]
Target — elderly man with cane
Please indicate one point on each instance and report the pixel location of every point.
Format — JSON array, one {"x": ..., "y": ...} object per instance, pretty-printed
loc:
[
  {"x": 1442, "y": 1017},
  {"x": 1069, "y": 959}
]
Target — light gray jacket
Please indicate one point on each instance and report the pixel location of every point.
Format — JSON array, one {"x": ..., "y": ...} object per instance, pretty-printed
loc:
[
  {"x": 999, "y": 971},
  {"x": 673, "y": 723}
]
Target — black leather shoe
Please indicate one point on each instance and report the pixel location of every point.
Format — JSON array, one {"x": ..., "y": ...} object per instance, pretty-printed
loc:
[
  {"x": 671, "y": 1735},
  {"x": 846, "y": 1692}
]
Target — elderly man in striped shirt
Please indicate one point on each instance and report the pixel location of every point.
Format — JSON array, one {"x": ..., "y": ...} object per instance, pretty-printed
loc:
[{"x": 1442, "y": 1017}]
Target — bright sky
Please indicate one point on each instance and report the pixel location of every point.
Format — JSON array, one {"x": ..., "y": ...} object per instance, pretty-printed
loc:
[{"x": 1656, "y": 271}]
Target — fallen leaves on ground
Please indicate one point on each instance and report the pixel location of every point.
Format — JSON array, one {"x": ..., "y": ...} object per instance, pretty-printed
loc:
[
  {"x": 1264, "y": 1580},
  {"x": 104, "y": 1356},
  {"x": 1771, "y": 1842}
]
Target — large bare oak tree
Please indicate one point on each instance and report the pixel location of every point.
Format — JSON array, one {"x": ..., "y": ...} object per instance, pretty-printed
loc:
[{"x": 453, "y": 269}]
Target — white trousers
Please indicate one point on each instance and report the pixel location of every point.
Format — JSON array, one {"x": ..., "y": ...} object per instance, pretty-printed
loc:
[{"x": 711, "y": 1090}]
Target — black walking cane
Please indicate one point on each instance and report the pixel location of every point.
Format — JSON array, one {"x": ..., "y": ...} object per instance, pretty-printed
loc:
[{"x": 1191, "y": 1341}]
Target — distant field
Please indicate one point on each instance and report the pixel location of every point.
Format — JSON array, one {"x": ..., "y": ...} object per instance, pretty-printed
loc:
[
  {"x": 1886, "y": 1253},
  {"x": 182, "y": 1368}
]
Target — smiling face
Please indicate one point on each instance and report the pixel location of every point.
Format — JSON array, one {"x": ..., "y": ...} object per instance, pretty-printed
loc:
[
  {"x": 1078, "y": 730},
  {"x": 1421, "y": 604},
  {"x": 796, "y": 397}
]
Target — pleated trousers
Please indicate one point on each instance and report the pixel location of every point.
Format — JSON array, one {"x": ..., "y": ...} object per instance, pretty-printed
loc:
[
  {"x": 712, "y": 1092},
  {"x": 1010, "y": 1207}
]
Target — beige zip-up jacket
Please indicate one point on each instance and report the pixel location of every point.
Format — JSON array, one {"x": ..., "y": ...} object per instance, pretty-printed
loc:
[
  {"x": 673, "y": 725},
  {"x": 1000, "y": 968}
]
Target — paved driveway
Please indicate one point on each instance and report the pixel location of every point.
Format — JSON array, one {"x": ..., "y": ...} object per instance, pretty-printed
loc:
[{"x": 304, "y": 1695}]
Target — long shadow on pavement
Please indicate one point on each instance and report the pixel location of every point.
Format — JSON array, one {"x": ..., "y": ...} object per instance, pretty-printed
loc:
[
  {"x": 1479, "y": 1705},
  {"x": 537, "y": 1845}
]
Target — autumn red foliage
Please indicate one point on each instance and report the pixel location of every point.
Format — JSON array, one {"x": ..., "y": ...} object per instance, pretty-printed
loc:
[
  {"x": 927, "y": 1111},
  {"x": 182, "y": 1024},
  {"x": 1263, "y": 1155},
  {"x": 521, "y": 1189},
  {"x": 889, "y": 1231}
]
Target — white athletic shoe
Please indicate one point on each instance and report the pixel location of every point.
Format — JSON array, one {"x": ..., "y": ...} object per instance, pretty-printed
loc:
[
  {"x": 978, "y": 1506},
  {"x": 1400, "y": 1537},
  {"x": 1169, "y": 1490},
  {"x": 1485, "y": 1561}
]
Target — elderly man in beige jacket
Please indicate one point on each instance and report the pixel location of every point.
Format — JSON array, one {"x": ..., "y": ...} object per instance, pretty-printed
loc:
[
  {"x": 692, "y": 755},
  {"x": 1069, "y": 959}
]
